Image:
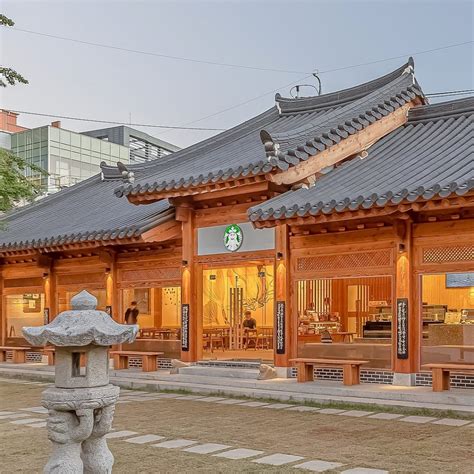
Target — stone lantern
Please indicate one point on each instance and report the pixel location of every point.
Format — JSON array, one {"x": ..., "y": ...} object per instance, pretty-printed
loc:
[{"x": 81, "y": 404}]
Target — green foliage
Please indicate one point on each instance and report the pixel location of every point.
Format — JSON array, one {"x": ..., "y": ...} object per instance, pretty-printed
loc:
[
  {"x": 9, "y": 76},
  {"x": 14, "y": 185},
  {"x": 5, "y": 21}
]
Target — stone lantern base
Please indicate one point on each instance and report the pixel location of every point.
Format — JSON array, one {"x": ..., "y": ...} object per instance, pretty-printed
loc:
[{"x": 78, "y": 421}]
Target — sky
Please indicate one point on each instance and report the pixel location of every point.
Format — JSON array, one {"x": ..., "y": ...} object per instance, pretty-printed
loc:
[{"x": 73, "y": 79}]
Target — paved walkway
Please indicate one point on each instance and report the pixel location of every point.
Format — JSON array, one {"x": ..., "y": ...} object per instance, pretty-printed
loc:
[{"x": 460, "y": 400}]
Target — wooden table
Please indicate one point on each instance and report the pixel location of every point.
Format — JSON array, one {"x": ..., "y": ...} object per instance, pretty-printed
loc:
[
  {"x": 149, "y": 359},
  {"x": 19, "y": 353}
]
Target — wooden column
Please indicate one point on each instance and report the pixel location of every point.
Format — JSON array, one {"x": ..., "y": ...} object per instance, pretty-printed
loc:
[
  {"x": 46, "y": 263},
  {"x": 157, "y": 307},
  {"x": 189, "y": 286},
  {"x": 50, "y": 296},
  {"x": 3, "y": 313},
  {"x": 283, "y": 295},
  {"x": 404, "y": 288}
]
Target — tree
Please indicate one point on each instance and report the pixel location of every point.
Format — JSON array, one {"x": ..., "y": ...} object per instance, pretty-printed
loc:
[
  {"x": 9, "y": 76},
  {"x": 15, "y": 187}
]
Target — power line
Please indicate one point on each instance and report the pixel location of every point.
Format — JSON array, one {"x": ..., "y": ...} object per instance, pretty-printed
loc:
[
  {"x": 159, "y": 55},
  {"x": 232, "y": 65},
  {"x": 325, "y": 72},
  {"x": 449, "y": 93},
  {"x": 83, "y": 119}
]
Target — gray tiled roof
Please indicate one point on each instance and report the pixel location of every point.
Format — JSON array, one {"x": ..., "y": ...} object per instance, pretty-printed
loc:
[
  {"x": 291, "y": 131},
  {"x": 84, "y": 212},
  {"x": 431, "y": 155}
]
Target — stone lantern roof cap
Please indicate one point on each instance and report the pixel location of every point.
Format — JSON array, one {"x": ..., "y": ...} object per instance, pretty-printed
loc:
[{"x": 81, "y": 326}]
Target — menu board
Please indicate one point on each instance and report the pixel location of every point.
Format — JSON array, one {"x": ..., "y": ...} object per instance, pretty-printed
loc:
[
  {"x": 402, "y": 328},
  {"x": 185, "y": 327},
  {"x": 280, "y": 327}
]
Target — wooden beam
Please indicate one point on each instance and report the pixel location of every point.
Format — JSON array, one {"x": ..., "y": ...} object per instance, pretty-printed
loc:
[
  {"x": 346, "y": 148},
  {"x": 166, "y": 231},
  {"x": 226, "y": 193}
]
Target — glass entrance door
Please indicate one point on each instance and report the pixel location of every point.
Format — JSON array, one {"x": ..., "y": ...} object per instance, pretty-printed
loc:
[{"x": 238, "y": 312}]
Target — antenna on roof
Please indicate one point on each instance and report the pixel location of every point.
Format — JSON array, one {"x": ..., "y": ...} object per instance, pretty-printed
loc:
[{"x": 295, "y": 90}]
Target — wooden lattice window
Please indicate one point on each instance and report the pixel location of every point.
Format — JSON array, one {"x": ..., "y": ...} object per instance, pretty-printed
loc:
[
  {"x": 369, "y": 259},
  {"x": 459, "y": 253}
]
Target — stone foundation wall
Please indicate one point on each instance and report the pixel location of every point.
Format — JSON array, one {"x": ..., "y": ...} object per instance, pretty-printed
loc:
[
  {"x": 161, "y": 363},
  {"x": 366, "y": 376}
]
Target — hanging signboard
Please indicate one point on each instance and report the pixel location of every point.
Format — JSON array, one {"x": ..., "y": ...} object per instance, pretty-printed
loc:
[
  {"x": 280, "y": 327},
  {"x": 402, "y": 328},
  {"x": 185, "y": 327}
]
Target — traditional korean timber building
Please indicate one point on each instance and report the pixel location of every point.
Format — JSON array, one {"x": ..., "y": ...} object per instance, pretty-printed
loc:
[{"x": 343, "y": 224}]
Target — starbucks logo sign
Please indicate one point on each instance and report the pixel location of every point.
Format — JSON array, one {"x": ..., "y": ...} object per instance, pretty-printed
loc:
[{"x": 233, "y": 237}]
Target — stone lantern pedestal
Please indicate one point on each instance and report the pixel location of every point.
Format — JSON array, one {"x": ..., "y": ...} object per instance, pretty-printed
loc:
[{"x": 81, "y": 404}]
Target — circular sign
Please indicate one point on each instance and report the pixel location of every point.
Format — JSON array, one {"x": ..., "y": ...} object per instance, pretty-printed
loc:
[{"x": 233, "y": 237}]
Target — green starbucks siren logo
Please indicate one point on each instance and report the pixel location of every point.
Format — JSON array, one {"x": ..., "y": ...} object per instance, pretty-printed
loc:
[{"x": 233, "y": 237}]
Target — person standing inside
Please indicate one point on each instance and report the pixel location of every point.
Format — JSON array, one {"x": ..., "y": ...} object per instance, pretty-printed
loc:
[{"x": 131, "y": 315}]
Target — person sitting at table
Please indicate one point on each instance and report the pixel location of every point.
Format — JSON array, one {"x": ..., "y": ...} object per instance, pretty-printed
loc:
[
  {"x": 131, "y": 315},
  {"x": 249, "y": 322}
]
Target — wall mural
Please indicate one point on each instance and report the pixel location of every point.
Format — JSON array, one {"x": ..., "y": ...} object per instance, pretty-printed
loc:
[{"x": 257, "y": 283}]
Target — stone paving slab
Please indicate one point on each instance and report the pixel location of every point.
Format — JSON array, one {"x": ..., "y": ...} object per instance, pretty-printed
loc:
[
  {"x": 451, "y": 422},
  {"x": 35, "y": 410},
  {"x": 356, "y": 413},
  {"x": 211, "y": 399},
  {"x": 364, "y": 470},
  {"x": 120, "y": 434},
  {"x": 207, "y": 448},
  {"x": 231, "y": 401},
  {"x": 175, "y": 443},
  {"x": 149, "y": 438},
  {"x": 278, "y": 406},
  {"x": 239, "y": 453},
  {"x": 331, "y": 411},
  {"x": 418, "y": 419},
  {"x": 303, "y": 408},
  {"x": 25, "y": 421},
  {"x": 386, "y": 416},
  {"x": 192, "y": 397},
  {"x": 278, "y": 459},
  {"x": 41, "y": 424},
  {"x": 14, "y": 416},
  {"x": 318, "y": 466},
  {"x": 253, "y": 404}
]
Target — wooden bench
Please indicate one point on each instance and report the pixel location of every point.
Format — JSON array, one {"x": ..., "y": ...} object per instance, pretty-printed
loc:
[
  {"x": 149, "y": 359},
  {"x": 441, "y": 374},
  {"x": 50, "y": 353},
  {"x": 350, "y": 369},
  {"x": 19, "y": 354}
]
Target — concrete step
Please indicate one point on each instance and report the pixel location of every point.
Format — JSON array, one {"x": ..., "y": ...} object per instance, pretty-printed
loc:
[
  {"x": 233, "y": 364},
  {"x": 226, "y": 372}
]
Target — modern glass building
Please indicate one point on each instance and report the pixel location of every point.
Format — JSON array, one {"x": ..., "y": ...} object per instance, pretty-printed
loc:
[{"x": 67, "y": 156}]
